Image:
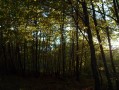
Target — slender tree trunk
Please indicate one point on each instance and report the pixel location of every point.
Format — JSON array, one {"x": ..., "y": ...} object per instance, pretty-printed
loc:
[
  {"x": 72, "y": 54},
  {"x": 81, "y": 58},
  {"x": 77, "y": 44},
  {"x": 101, "y": 48},
  {"x": 63, "y": 41},
  {"x": 111, "y": 58},
  {"x": 116, "y": 9},
  {"x": 36, "y": 52},
  {"x": 109, "y": 42},
  {"x": 92, "y": 49},
  {"x": 24, "y": 67},
  {"x": 2, "y": 53},
  {"x": 11, "y": 57},
  {"x": 75, "y": 17},
  {"x": 39, "y": 53}
]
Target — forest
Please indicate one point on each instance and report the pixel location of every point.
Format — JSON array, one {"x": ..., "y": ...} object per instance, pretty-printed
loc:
[{"x": 59, "y": 45}]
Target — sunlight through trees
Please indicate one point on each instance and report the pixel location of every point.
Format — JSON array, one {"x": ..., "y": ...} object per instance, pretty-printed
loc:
[{"x": 63, "y": 38}]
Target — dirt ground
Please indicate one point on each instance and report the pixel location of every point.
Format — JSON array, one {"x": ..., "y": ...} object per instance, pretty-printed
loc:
[{"x": 13, "y": 82}]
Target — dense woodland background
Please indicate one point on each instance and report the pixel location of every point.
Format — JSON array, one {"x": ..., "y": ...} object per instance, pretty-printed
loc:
[{"x": 67, "y": 39}]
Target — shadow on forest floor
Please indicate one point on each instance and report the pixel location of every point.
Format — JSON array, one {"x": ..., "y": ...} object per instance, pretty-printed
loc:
[{"x": 12, "y": 82}]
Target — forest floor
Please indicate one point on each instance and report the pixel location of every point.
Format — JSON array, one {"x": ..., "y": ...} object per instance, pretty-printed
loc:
[{"x": 13, "y": 82}]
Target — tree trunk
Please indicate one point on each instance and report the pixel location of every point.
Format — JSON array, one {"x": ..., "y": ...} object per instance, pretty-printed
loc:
[
  {"x": 101, "y": 48},
  {"x": 63, "y": 41},
  {"x": 110, "y": 48},
  {"x": 92, "y": 49}
]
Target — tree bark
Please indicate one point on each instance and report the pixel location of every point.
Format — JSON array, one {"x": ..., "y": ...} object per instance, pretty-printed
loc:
[
  {"x": 92, "y": 49},
  {"x": 101, "y": 49}
]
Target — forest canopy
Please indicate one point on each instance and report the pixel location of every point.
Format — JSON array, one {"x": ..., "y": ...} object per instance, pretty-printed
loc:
[{"x": 67, "y": 38}]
